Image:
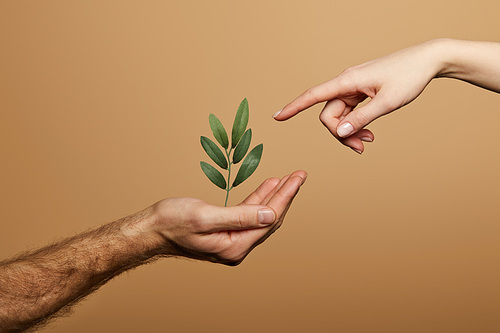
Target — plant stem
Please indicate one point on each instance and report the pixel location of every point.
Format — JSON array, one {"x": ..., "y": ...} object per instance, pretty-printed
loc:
[{"x": 228, "y": 188}]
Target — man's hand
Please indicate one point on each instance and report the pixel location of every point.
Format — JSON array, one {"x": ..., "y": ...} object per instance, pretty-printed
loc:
[
  {"x": 195, "y": 229},
  {"x": 36, "y": 286}
]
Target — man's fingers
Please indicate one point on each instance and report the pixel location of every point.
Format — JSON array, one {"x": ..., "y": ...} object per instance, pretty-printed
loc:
[
  {"x": 280, "y": 202},
  {"x": 241, "y": 228},
  {"x": 248, "y": 215},
  {"x": 257, "y": 196},
  {"x": 275, "y": 189},
  {"x": 241, "y": 217},
  {"x": 283, "y": 197},
  {"x": 300, "y": 173},
  {"x": 310, "y": 97}
]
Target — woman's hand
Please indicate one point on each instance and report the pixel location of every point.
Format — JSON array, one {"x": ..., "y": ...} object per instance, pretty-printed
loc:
[{"x": 392, "y": 82}]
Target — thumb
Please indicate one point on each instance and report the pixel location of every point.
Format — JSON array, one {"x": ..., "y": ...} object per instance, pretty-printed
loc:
[
  {"x": 241, "y": 217},
  {"x": 359, "y": 118}
]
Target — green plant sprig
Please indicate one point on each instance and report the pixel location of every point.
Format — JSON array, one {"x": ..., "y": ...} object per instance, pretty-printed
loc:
[{"x": 240, "y": 142}]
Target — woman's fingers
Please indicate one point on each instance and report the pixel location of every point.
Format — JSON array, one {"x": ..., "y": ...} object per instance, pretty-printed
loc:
[
  {"x": 332, "y": 115},
  {"x": 357, "y": 119},
  {"x": 321, "y": 93}
]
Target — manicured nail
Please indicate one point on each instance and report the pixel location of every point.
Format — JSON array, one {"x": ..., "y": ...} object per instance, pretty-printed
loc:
[
  {"x": 357, "y": 151},
  {"x": 366, "y": 139},
  {"x": 277, "y": 113},
  {"x": 266, "y": 216},
  {"x": 345, "y": 130}
]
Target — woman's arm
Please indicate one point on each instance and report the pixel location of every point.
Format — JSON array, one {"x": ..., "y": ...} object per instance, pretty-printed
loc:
[
  {"x": 471, "y": 61},
  {"x": 394, "y": 81}
]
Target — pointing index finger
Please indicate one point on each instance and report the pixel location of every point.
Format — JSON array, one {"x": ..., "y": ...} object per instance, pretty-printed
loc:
[{"x": 321, "y": 93}]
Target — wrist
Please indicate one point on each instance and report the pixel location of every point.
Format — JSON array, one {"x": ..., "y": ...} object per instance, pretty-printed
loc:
[
  {"x": 447, "y": 55},
  {"x": 140, "y": 228}
]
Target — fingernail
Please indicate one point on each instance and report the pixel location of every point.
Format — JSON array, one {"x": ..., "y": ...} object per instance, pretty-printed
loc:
[
  {"x": 266, "y": 216},
  {"x": 304, "y": 180},
  {"x": 277, "y": 113},
  {"x": 366, "y": 139},
  {"x": 345, "y": 130},
  {"x": 357, "y": 151}
]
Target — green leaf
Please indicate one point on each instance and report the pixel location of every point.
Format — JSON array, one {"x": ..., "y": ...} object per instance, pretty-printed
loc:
[
  {"x": 218, "y": 131},
  {"x": 249, "y": 165},
  {"x": 213, "y": 174},
  {"x": 242, "y": 147},
  {"x": 240, "y": 122},
  {"x": 214, "y": 152}
]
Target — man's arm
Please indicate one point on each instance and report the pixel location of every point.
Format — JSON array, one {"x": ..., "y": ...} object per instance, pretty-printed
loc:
[
  {"x": 40, "y": 285},
  {"x": 35, "y": 286}
]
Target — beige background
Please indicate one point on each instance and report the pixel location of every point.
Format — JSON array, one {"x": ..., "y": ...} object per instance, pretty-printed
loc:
[{"x": 101, "y": 107}]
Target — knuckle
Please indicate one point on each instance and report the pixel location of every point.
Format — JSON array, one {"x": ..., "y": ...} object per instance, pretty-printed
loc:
[
  {"x": 323, "y": 117},
  {"x": 272, "y": 181},
  {"x": 239, "y": 220},
  {"x": 331, "y": 111},
  {"x": 361, "y": 118},
  {"x": 350, "y": 79},
  {"x": 197, "y": 217},
  {"x": 244, "y": 219},
  {"x": 346, "y": 83},
  {"x": 387, "y": 103},
  {"x": 310, "y": 94},
  {"x": 284, "y": 197},
  {"x": 326, "y": 116},
  {"x": 347, "y": 71}
]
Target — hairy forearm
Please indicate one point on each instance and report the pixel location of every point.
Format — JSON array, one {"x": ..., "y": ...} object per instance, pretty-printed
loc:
[
  {"x": 38, "y": 285},
  {"x": 471, "y": 61}
]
